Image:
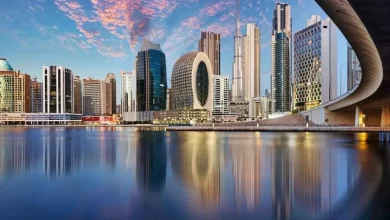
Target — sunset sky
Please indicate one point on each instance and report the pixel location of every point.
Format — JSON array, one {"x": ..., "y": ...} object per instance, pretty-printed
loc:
[{"x": 94, "y": 37}]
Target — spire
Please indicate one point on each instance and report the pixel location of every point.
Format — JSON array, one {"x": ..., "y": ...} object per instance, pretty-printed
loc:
[{"x": 238, "y": 19}]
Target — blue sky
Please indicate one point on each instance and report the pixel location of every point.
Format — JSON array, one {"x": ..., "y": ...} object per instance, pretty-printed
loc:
[{"x": 94, "y": 37}]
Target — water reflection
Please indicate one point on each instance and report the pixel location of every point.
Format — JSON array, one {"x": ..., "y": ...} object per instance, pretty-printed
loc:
[
  {"x": 196, "y": 163},
  {"x": 151, "y": 162},
  {"x": 204, "y": 174}
]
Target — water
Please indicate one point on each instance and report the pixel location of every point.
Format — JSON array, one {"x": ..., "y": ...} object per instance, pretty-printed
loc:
[{"x": 122, "y": 173}]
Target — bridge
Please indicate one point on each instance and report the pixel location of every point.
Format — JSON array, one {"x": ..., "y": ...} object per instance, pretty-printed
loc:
[{"x": 366, "y": 26}]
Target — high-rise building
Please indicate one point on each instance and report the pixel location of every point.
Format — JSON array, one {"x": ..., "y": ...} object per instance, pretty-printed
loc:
[
  {"x": 129, "y": 91},
  {"x": 78, "y": 98},
  {"x": 192, "y": 82},
  {"x": 15, "y": 89},
  {"x": 151, "y": 78},
  {"x": 221, "y": 95},
  {"x": 96, "y": 97},
  {"x": 281, "y": 59},
  {"x": 57, "y": 90},
  {"x": 237, "y": 80},
  {"x": 315, "y": 64},
  {"x": 36, "y": 96},
  {"x": 210, "y": 44},
  {"x": 111, "y": 79},
  {"x": 251, "y": 61},
  {"x": 354, "y": 69}
]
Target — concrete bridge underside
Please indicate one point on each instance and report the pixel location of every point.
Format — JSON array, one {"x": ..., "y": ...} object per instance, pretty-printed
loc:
[{"x": 366, "y": 26}]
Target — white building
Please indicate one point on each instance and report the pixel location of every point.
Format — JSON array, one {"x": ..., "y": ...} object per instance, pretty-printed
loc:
[
  {"x": 251, "y": 62},
  {"x": 221, "y": 95},
  {"x": 315, "y": 64},
  {"x": 57, "y": 92},
  {"x": 192, "y": 82},
  {"x": 129, "y": 91}
]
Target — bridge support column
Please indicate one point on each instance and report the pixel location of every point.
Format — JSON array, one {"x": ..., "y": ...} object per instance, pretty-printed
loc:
[
  {"x": 359, "y": 117},
  {"x": 385, "y": 118}
]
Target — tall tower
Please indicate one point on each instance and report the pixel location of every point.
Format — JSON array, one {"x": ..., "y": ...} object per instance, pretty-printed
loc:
[
  {"x": 210, "y": 44},
  {"x": 281, "y": 86},
  {"x": 251, "y": 62},
  {"x": 151, "y": 76},
  {"x": 237, "y": 81}
]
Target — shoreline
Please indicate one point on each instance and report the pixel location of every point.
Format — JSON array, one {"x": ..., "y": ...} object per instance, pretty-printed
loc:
[{"x": 223, "y": 128}]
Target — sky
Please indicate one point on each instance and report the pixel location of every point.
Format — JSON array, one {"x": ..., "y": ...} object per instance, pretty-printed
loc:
[{"x": 95, "y": 37}]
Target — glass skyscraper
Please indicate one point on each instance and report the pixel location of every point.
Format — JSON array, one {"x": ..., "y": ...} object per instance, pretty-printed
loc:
[
  {"x": 281, "y": 59},
  {"x": 151, "y": 78}
]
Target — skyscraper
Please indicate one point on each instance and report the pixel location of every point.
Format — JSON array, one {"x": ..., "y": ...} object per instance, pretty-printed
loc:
[
  {"x": 354, "y": 69},
  {"x": 315, "y": 64},
  {"x": 36, "y": 96},
  {"x": 151, "y": 78},
  {"x": 15, "y": 89},
  {"x": 96, "y": 97},
  {"x": 78, "y": 98},
  {"x": 57, "y": 90},
  {"x": 251, "y": 62},
  {"x": 237, "y": 81},
  {"x": 281, "y": 58},
  {"x": 221, "y": 95},
  {"x": 111, "y": 79},
  {"x": 129, "y": 91},
  {"x": 210, "y": 44}
]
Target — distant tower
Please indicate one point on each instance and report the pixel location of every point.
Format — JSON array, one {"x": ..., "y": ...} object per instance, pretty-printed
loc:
[
  {"x": 237, "y": 81},
  {"x": 210, "y": 44}
]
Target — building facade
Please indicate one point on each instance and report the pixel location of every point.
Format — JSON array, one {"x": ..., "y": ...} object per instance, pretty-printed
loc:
[
  {"x": 57, "y": 90},
  {"x": 251, "y": 61},
  {"x": 111, "y": 80},
  {"x": 192, "y": 82},
  {"x": 36, "y": 96},
  {"x": 129, "y": 91},
  {"x": 151, "y": 78},
  {"x": 354, "y": 69},
  {"x": 78, "y": 97},
  {"x": 281, "y": 58},
  {"x": 210, "y": 44},
  {"x": 315, "y": 64},
  {"x": 96, "y": 97},
  {"x": 15, "y": 89},
  {"x": 221, "y": 103}
]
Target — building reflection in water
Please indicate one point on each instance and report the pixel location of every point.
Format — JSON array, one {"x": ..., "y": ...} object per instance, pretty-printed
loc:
[
  {"x": 60, "y": 154},
  {"x": 196, "y": 162},
  {"x": 151, "y": 162},
  {"x": 308, "y": 179},
  {"x": 246, "y": 153},
  {"x": 15, "y": 158}
]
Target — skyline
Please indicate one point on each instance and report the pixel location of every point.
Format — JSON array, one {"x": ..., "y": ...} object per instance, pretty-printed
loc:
[{"x": 92, "y": 38}]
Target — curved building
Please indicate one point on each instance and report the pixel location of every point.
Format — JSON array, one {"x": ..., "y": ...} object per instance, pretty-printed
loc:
[{"x": 192, "y": 82}]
